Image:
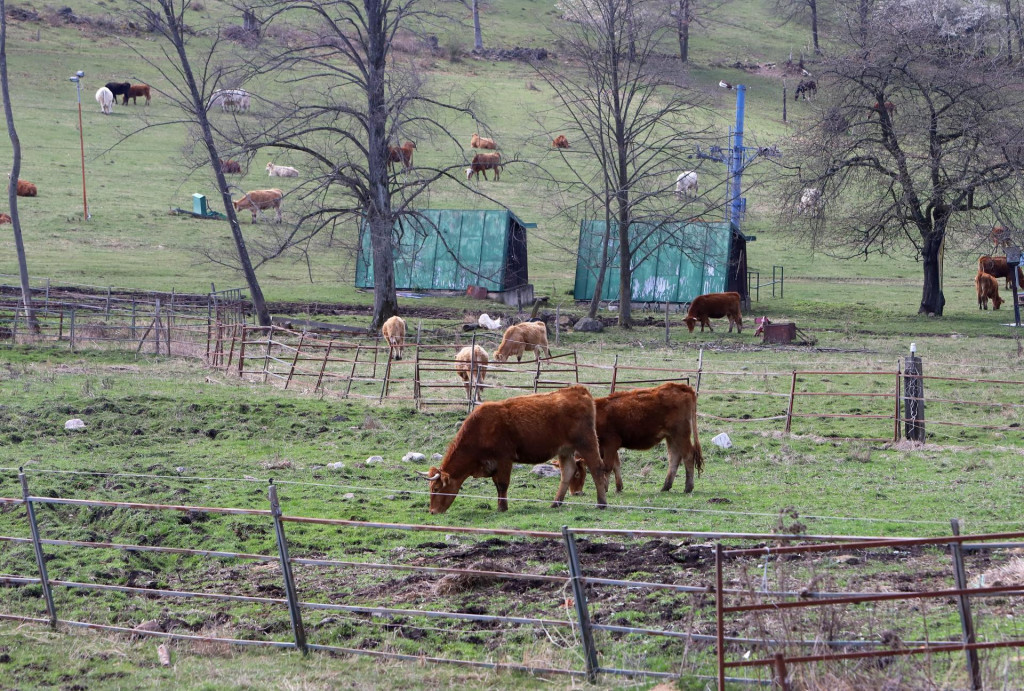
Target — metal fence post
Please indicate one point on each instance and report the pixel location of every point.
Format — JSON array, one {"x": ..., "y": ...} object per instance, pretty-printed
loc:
[
  {"x": 44, "y": 578},
  {"x": 720, "y": 616},
  {"x": 582, "y": 611},
  {"x": 964, "y": 607},
  {"x": 286, "y": 570}
]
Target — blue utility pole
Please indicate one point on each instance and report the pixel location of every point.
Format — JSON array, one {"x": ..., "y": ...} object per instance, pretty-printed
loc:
[{"x": 736, "y": 160}]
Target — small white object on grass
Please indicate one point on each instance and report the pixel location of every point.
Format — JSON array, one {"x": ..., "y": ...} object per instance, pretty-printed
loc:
[
  {"x": 335, "y": 466},
  {"x": 722, "y": 440},
  {"x": 74, "y": 423},
  {"x": 413, "y": 457}
]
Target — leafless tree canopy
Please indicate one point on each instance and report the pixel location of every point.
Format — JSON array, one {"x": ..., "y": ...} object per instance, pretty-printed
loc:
[
  {"x": 631, "y": 111},
  {"x": 917, "y": 136}
]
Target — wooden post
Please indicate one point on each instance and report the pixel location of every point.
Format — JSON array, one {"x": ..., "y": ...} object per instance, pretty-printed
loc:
[
  {"x": 266, "y": 355},
  {"x": 913, "y": 398},
  {"x": 576, "y": 365},
  {"x": 156, "y": 326},
  {"x": 352, "y": 374},
  {"x": 167, "y": 330},
  {"x": 667, "y": 342},
  {"x": 896, "y": 420},
  {"x": 780, "y": 673},
  {"x": 106, "y": 312},
  {"x": 783, "y": 100},
  {"x": 72, "y": 328},
  {"x": 416, "y": 375},
  {"x": 964, "y": 607},
  {"x": 789, "y": 410},
  {"x": 133, "y": 319},
  {"x": 419, "y": 327},
  {"x": 558, "y": 326},
  {"x": 298, "y": 351},
  {"x": 615, "y": 374},
  {"x": 60, "y": 325},
  {"x": 323, "y": 366},
  {"x": 387, "y": 376},
  {"x": 700, "y": 368},
  {"x": 241, "y": 351},
  {"x": 46, "y": 304},
  {"x": 231, "y": 352}
]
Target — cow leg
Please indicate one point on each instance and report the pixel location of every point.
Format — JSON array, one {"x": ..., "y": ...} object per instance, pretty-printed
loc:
[
  {"x": 502, "y": 477},
  {"x": 591, "y": 455},
  {"x": 679, "y": 449},
  {"x": 567, "y": 464},
  {"x": 610, "y": 456}
]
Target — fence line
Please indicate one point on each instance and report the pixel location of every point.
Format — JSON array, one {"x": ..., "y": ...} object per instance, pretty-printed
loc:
[{"x": 577, "y": 578}]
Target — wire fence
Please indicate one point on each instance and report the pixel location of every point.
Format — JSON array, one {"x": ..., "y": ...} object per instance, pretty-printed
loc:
[
  {"x": 576, "y": 590},
  {"x": 870, "y": 404}
]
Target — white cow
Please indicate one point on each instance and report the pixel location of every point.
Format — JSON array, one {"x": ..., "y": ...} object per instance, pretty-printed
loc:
[
  {"x": 810, "y": 200},
  {"x": 282, "y": 171},
  {"x": 230, "y": 99},
  {"x": 686, "y": 183},
  {"x": 106, "y": 100}
]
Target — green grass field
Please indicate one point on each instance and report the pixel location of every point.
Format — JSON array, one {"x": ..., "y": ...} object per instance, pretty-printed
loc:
[{"x": 171, "y": 431}]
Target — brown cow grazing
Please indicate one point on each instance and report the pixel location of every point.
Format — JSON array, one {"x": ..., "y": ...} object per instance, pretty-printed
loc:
[
  {"x": 257, "y": 200},
  {"x": 525, "y": 429},
  {"x": 641, "y": 419},
  {"x": 560, "y": 142},
  {"x": 401, "y": 154},
  {"x": 393, "y": 332},
  {"x": 230, "y": 166},
  {"x": 4, "y": 218},
  {"x": 471, "y": 366},
  {"x": 478, "y": 142},
  {"x": 134, "y": 91},
  {"x": 520, "y": 338},
  {"x": 715, "y": 306},
  {"x": 1001, "y": 237},
  {"x": 25, "y": 188},
  {"x": 987, "y": 287},
  {"x": 997, "y": 267},
  {"x": 482, "y": 163}
]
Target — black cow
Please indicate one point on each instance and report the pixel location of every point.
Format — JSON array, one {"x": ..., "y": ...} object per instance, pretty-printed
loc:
[
  {"x": 806, "y": 88},
  {"x": 119, "y": 89}
]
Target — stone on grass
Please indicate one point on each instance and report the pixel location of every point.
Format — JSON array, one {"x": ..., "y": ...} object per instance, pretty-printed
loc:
[
  {"x": 588, "y": 324},
  {"x": 546, "y": 470},
  {"x": 74, "y": 423},
  {"x": 374, "y": 459},
  {"x": 413, "y": 457},
  {"x": 348, "y": 495},
  {"x": 335, "y": 466},
  {"x": 436, "y": 457}
]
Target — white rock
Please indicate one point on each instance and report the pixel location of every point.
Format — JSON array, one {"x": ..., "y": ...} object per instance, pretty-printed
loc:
[
  {"x": 722, "y": 440},
  {"x": 335, "y": 466},
  {"x": 437, "y": 457},
  {"x": 374, "y": 459},
  {"x": 413, "y": 457},
  {"x": 74, "y": 423},
  {"x": 180, "y": 469},
  {"x": 348, "y": 495}
]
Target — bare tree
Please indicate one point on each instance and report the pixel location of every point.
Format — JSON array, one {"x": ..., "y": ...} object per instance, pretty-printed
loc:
[
  {"x": 917, "y": 137},
  {"x": 478, "y": 39},
  {"x": 791, "y": 10},
  {"x": 347, "y": 110},
  {"x": 634, "y": 118},
  {"x": 690, "y": 13},
  {"x": 191, "y": 92},
  {"x": 12, "y": 185}
]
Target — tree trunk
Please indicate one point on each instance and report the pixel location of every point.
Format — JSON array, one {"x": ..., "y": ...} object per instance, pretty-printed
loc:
[
  {"x": 813, "y": 4},
  {"x": 12, "y": 186},
  {"x": 378, "y": 208},
  {"x": 478, "y": 39},
  {"x": 932, "y": 299},
  {"x": 602, "y": 273},
  {"x": 176, "y": 34},
  {"x": 1009, "y": 32},
  {"x": 683, "y": 29}
]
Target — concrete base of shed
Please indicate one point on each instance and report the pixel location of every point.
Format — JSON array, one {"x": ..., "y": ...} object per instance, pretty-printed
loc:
[{"x": 519, "y": 297}]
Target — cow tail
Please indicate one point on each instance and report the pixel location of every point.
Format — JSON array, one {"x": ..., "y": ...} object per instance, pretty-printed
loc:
[{"x": 698, "y": 455}]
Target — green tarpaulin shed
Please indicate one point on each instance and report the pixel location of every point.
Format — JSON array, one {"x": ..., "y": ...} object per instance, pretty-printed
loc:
[
  {"x": 676, "y": 262},
  {"x": 452, "y": 249}
]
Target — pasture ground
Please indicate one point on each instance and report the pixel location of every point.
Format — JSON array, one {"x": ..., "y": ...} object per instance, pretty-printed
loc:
[{"x": 153, "y": 416}]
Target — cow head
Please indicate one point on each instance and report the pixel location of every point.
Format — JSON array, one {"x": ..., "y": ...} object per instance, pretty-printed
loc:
[
  {"x": 690, "y": 321},
  {"x": 443, "y": 488}
]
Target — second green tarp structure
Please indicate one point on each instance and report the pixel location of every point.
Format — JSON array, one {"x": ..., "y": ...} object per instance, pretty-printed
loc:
[
  {"x": 675, "y": 262},
  {"x": 452, "y": 249}
]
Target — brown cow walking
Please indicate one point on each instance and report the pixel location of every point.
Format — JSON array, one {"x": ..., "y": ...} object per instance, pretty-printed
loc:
[
  {"x": 525, "y": 429},
  {"x": 641, "y": 419},
  {"x": 997, "y": 266},
  {"x": 715, "y": 306}
]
